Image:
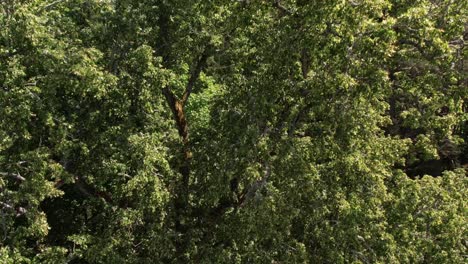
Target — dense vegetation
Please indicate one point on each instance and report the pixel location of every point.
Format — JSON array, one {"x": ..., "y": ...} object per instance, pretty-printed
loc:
[{"x": 249, "y": 131}]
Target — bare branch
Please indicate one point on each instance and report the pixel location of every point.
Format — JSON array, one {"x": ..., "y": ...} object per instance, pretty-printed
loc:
[{"x": 15, "y": 176}]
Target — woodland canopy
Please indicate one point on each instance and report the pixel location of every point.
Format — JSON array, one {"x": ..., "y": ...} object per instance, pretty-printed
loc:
[{"x": 223, "y": 131}]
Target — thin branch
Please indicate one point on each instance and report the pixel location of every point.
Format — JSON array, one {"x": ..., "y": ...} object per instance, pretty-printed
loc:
[
  {"x": 242, "y": 198},
  {"x": 256, "y": 186},
  {"x": 84, "y": 188},
  {"x": 304, "y": 111},
  {"x": 15, "y": 176},
  {"x": 283, "y": 10},
  {"x": 195, "y": 74},
  {"x": 90, "y": 191},
  {"x": 413, "y": 44},
  {"x": 305, "y": 63},
  {"x": 19, "y": 210},
  {"x": 52, "y": 4}
]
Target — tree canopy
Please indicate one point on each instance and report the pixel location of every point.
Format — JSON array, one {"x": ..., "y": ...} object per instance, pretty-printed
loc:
[{"x": 249, "y": 131}]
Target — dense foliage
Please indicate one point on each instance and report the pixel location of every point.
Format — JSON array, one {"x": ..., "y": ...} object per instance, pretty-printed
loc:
[{"x": 250, "y": 131}]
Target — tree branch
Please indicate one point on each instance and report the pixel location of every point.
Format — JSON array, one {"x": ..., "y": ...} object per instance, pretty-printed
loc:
[
  {"x": 305, "y": 63},
  {"x": 85, "y": 189},
  {"x": 6, "y": 206},
  {"x": 256, "y": 186},
  {"x": 19, "y": 210},
  {"x": 195, "y": 74},
  {"x": 246, "y": 195},
  {"x": 15, "y": 176},
  {"x": 52, "y": 4},
  {"x": 283, "y": 10}
]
